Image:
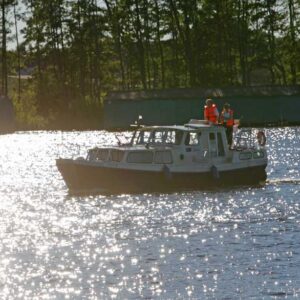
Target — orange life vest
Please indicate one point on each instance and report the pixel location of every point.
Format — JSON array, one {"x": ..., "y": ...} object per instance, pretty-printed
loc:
[
  {"x": 210, "y": 113},
  {"x": 228, "y": 121}
]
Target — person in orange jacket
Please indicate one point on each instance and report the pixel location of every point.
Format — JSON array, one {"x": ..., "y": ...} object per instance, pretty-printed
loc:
[
  {"x": 211, "y": 113},
  {"x": 226, "y": 119}
]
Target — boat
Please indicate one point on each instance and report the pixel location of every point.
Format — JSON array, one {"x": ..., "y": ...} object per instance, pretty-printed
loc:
[{"x": 164, "y": 158}]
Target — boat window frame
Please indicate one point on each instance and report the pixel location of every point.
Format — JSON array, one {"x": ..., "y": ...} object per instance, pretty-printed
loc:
[
  {"x": 258, "y": 154},
  {"x": 245, "y": 155},
  {"x": 164, "y": 132},
  {"x": 199, "y": 138},
  {"x": 217, "y": 136},
  {"x": 140, "y": 151},
  {"x": 163, "y": 163},
  {"x": 116, "y": 155},
  {"x": 137, "y": 134}
]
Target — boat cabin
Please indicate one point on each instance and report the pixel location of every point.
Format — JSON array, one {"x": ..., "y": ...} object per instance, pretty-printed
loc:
[
  {"x": 169, "y": 144},
  {"x": 189, "y": 138}
]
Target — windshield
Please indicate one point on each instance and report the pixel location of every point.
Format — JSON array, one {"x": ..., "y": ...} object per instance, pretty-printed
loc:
[
  {"x": 158, "y": 136},
  {"x": 141, "y": 137},
  {"x": 169, "y": 137}
]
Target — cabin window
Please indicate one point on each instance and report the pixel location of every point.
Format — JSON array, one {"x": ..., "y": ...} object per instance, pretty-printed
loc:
[
  {"x": 173, "y": 137},
  {"x": 221, "y": 150},
  {"x": 258, "y": 154},
  {"x": 192, "y": 139},
  {"x": 116, "y": 155},
  {"x": 245, "y": 155},
  {"x": 140, "y": 157},
  {"x": 158, "y": 137},
  {"x": 213, "y": 144},
  {"x": 102, "y": 154},
  {"x": 142, "y": 137},
  {"x": 98, "y": 154},
  {"x": 163, "y": 157}
]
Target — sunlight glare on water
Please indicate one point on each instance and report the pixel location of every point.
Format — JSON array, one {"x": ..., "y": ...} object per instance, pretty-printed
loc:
[{"x": 222, "y": 244}]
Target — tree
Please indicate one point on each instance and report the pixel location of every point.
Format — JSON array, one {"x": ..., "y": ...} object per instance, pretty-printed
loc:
[
  {"x": 5, "y": 5},
  {"x": 80, "y": 49}
]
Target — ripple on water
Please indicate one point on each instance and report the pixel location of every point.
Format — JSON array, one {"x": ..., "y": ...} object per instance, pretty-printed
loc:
[{"x": 223, "y": 244}]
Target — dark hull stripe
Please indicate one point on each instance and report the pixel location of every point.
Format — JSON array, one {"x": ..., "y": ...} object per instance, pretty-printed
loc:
[{"x": 86, "y": 177}]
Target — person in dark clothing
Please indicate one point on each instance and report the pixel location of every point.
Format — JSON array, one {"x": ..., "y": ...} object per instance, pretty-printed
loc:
[{"x": 226, "y": 118}]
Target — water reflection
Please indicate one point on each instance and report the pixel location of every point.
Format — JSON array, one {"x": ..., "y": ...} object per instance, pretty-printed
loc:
[{"x": 238, "y": 243}]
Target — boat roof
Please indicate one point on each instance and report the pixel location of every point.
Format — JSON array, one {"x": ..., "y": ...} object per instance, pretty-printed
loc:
[{"x": 191, "y": 126}]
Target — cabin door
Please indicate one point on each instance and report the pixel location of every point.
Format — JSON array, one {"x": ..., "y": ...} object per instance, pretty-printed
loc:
[
  {"x": 193, "y": 148},
  {"x": 216, "y": 146}
]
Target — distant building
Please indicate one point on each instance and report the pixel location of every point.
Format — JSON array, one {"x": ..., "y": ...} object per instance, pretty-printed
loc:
[
  {"x": 253, "y": 105},
  {"x": 25, "y": 73}
]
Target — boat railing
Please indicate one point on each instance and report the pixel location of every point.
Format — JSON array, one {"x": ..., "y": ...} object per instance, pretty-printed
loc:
[
  {"x": 248, "y": 138},
  {"x": 244, "y": 139},
  {"x": 122, "y": 139}
]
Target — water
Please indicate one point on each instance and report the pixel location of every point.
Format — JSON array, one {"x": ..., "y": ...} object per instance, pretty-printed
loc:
[{"x": 226, "y": 244}]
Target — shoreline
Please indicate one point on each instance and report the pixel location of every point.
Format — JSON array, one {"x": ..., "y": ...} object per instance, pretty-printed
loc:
[{"x": 119, "y": 129}]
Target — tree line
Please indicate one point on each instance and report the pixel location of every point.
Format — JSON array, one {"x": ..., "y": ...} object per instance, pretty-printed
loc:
[{"x": 77, "y": 50}]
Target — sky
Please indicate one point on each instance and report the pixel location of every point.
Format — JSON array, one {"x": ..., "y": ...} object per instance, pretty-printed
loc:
[{"x": 11, "y": 43}]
